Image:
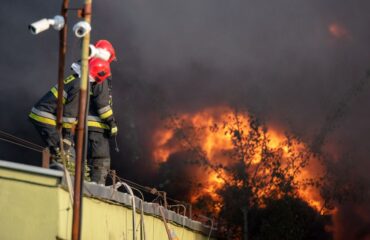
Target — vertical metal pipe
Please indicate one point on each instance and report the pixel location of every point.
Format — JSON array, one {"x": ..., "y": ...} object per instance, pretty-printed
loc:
[
  {"x": 165, "y": 200},
  {"x": 62, "y": 56},
  {"x": 45, "y": 158},
  {"x": 169, "y": 235},
  {"x": 80, "y": 144},
  {"x": 129, "y": 190},
  {"x": 190, "y": 211}
]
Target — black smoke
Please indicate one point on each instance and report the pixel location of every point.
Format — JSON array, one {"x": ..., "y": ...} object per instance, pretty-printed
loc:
[{"x": 275, "y": 58}]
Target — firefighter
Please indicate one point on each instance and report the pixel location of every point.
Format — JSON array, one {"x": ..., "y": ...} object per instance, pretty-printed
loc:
[
  {"x": 101, "y": 122},
  {"x": 43, "y": 114}
]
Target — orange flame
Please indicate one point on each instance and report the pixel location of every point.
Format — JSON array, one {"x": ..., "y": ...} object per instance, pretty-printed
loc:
[
  {"x": 215, "y": 142},
  {"x": 161, "y": 150}
]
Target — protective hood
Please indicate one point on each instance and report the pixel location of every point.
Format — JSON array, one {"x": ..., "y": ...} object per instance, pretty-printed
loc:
[{"x": 77, "y": 69}]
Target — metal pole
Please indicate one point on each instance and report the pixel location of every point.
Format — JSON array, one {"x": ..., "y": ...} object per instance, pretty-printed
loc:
[
  {"x": 165, "y": 200},
  {"x": 169, "y": 235},
  {"x": 76, "y": 223},
  {"x": 45, "y": 158},
  {"x": 211, "y": 227},
  {"x": 62, "y": 56},
  {"x": 190, "y": 211},
  {"x": 129, "y": 190}
]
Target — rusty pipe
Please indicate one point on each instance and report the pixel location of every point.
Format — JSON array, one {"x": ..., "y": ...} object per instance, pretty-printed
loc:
[
  {"x": 81, "y": 126},
  {"x": 62, "y": 57}
]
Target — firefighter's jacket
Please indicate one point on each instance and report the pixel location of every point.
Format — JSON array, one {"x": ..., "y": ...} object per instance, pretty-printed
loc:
[
  {"x": 101, "y": 116},
  {"x": 45, "y": 110}
]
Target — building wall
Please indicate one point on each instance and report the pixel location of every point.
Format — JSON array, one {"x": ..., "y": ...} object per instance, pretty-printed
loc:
[
  {"x": 28, "y": 206},
  {"x": 34, "y": 206}
]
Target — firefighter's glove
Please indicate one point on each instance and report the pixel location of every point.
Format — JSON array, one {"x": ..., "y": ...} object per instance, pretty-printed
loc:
[{"x": 113, "y": 130}]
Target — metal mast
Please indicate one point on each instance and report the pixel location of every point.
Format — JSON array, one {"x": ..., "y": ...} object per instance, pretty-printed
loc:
[
  {"x": 62, "y": 56},
  {"x": 81, "y": 127}
]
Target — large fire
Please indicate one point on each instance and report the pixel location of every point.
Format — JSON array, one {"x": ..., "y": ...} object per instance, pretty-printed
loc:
[{"x": 215, "y": 142}]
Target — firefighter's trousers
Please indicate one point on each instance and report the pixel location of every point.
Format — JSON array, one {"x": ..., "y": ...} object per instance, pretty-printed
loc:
[{"x": 98, "y": 156}]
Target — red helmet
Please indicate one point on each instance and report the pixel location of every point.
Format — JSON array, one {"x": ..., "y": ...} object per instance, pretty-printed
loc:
[
  {"x": 99, "y": 69},
  {"x": 106, "y": 45}
]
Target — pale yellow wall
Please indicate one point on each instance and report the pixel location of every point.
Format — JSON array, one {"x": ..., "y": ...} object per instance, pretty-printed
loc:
[
  {"x": 115, "y": 222},
  {"x": 30, "y": 211},
  {"x": 27, "y": 210}
]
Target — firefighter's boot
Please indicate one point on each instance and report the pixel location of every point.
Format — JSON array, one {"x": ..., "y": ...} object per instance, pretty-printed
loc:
[
  {"x": 55, "y": 155},
  {"x": 99, "y": 170},
  {"x": 56, "y": 162},
  {"x": 69, "y": 150}
]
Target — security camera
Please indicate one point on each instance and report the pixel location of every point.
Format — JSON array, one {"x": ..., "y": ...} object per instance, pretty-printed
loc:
[
  {"x": 98, "y": 52},
  {"x": 81, "y": 29},
  {"x": 44, "y": 24}
]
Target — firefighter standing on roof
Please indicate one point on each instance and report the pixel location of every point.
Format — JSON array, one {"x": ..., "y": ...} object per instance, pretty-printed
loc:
[
  {"x": 101, "y": 122},
  {"x": 43, "y": 115}
]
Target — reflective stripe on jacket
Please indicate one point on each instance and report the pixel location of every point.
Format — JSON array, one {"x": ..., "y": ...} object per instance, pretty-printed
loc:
[
  {"x": 100, "y": 111},
  {"x": 96, "y": 122},
  {"x": 43, "y": 117},
  {"x": 45, "y": 109}
]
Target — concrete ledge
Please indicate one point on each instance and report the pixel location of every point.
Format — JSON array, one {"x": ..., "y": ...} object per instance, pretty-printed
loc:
[
  {"x": 31, "y": 169},
  {"x": 108, "y": 193}
]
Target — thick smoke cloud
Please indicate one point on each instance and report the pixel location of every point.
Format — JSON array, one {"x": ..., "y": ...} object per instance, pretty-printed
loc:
[
  {"x": 261, "y": 54},
  {"x": 274, "y": 58}
]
